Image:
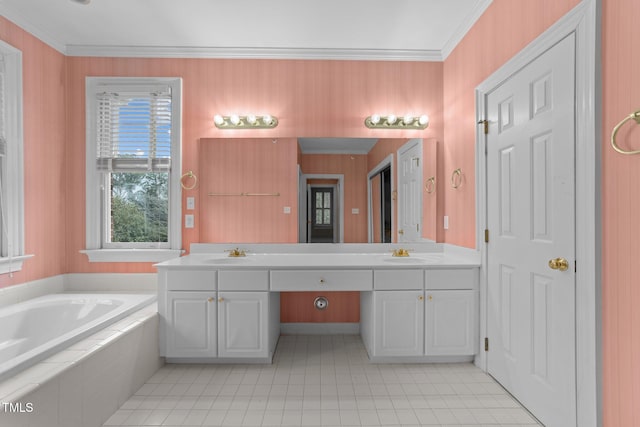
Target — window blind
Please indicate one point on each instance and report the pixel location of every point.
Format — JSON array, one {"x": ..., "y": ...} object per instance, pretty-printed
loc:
[{"x": 134, "y": 131}]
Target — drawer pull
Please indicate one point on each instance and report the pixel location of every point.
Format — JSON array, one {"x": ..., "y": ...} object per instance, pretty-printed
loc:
[
  {"x": 220, "y": 299},
  {"x": 430, "y": 297},
  {"x": 210, "y": 299}
]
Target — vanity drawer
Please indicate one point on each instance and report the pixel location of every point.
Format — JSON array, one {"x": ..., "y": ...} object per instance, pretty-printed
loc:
[
  {"x": 451, "y": 279},
  {"x": 398, "y": 279},
  {"x": 315, "y": 280},
  {"x": 245, "y": 280},
  {"x": 192, "y": 280}
]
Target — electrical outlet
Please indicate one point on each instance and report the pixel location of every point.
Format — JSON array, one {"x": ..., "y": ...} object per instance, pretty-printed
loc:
[
  {"x": 191, "y": 203},
  {"x": 188, "y": 221}
]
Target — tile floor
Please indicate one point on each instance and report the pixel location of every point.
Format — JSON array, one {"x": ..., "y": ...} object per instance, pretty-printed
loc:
[{"x": 321, "y": 381}]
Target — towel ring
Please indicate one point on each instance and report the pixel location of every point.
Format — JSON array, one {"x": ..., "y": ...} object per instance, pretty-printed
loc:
[
  {"x": 456, "y": 178},
  {"x": 191, "y": 175},
  {"x": 430, "y": 185},
  {"x": 633, "y": 116}
]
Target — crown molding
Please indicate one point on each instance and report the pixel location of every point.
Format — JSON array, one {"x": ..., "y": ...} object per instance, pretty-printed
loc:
[
  {"x": 253, "y": 53},
  {"x": 464, "y": 28}
]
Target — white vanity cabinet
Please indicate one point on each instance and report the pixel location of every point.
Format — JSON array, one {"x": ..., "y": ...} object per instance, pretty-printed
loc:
[
  {"x": 248, "y": 315},
  {"x": 192, "y": 324},
  {"x": 451, "y": 317},
  {"x": 190, "y": 314},
  {"x": 398, "y": 313}
]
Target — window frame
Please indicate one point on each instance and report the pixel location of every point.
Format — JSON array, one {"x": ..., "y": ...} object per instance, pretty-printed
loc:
[
  {"x": 12, "y": 244},
  {"x": 97, "y": 183}
]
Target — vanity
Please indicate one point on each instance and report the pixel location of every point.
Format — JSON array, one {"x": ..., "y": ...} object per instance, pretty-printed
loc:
[{"x": 216, "y": 308}]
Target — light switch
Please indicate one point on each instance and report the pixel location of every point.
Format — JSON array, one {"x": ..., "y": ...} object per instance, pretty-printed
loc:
[
  {"x": 191, "y": 203},
  {"x": 446, "y": 222},
  {"x": 355, "y": 211},
  {"x": 188, "y": 221},
  {"x": 287, "y": 209}
]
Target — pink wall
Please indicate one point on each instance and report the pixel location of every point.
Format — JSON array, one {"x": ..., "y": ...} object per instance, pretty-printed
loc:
[
  {"x": 45, "y": 182},
  {"x": 258, "y": 165},
  {"x": 620, "y": 216},
  {"x": 310, "y": 98},
  {"x": 503, "y": 30}
]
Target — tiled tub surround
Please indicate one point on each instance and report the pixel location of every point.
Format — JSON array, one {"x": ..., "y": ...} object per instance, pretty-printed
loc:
[
  {"x": 82, "y": 385},
  {"x": 41, "y": 327}
]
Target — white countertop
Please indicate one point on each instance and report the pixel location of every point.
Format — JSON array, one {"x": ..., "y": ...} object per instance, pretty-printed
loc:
[{"x": 446, "y": 257}]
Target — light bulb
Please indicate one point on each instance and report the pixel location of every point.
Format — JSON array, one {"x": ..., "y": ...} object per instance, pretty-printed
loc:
[
  {"x": 218, "y": 119},
  {"x": 391, "y": 119},
  {"x": 423, "y": 120},
  {"x": 375, "y": 119},
  {"x": 234, "y": 119},
  {"x": 408, "y": 119},
  {"x": 251, "y": 119},
  {"x": 267, "y": 119}
]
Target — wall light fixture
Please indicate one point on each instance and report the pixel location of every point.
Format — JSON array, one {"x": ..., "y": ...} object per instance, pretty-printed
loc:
[
  {"x": 250, "y": 121},
  {"x": 408, "y": 121}
]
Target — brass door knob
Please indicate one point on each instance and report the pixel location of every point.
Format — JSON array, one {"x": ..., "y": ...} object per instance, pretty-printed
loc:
[
  {"x": 400, "y": 231},
  {"x": 559, "y": 264}
]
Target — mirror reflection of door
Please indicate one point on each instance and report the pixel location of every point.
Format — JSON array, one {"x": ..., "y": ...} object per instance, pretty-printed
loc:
[
  {"x": 322, "y": 223},
  {"x": 381, "y": 205}
]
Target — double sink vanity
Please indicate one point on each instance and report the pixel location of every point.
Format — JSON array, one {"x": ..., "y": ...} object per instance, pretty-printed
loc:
[{"x": 221, "y": 303}]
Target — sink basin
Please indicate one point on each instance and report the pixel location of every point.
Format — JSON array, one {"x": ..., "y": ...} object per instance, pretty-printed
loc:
[
  {"x": 227, "y": 261},
  {"x": 411, "y": 259}
]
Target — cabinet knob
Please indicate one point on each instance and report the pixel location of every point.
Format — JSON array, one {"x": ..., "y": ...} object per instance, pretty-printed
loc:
[
  {"x": 220, "y": 299},
  {"x": 210, "y": 299},
  {"x": 420, "y": 298},
  {"x": 430, "y": 297},
  {"x": 321, "y": 281}
]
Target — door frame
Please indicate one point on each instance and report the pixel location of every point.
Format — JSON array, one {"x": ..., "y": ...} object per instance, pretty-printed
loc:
[
  {"x": 335, "y": 207},
  {"x": 386, "y": 162},
  {"x": 302, "y": 198},
  {"x": 583, "y": 21}
]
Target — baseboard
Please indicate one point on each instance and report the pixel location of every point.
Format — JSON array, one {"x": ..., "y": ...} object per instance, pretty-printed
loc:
[{"x": 320, "y": 328}]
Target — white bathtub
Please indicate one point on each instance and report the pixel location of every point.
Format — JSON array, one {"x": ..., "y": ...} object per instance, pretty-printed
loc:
[{"x": 38, "y": 328}]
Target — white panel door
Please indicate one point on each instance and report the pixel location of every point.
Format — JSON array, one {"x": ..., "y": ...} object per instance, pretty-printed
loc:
[
  {"x": 450, "y": 323},
  {"x": 410, "y": 191},
  {"x": 243, "y": 324},
  {"x": 531, "y": 220},
  {"x": 191, "y": 331},
  {"x": 398, "y": 323}
]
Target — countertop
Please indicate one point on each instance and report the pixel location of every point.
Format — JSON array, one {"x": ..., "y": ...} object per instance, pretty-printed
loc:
[{"x": 445, "y": 257}]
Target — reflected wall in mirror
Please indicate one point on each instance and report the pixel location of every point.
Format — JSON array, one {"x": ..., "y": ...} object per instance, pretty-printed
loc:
[{"x": 260, "y": 190}]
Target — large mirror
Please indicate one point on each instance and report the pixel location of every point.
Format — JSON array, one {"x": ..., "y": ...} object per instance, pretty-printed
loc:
[{"x": 286, "y": 190}]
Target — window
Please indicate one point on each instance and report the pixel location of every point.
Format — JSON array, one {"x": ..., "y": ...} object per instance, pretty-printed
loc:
[
  {"x": 133, "y": 165},
  {"x": 11, "y": 161},
  {"x": 322, "y": 206}
]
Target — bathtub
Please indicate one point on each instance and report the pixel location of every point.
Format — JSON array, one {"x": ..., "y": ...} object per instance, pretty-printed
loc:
[{"x": 36, "y": 329}]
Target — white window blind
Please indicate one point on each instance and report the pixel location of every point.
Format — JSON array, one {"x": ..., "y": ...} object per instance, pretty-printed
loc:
[{"x": 134, "y": 130}]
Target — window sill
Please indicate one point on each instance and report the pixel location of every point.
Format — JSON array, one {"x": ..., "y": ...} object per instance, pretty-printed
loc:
[
  {"x": 131, "y": 255},
  {"x": 13, "y": 264}
]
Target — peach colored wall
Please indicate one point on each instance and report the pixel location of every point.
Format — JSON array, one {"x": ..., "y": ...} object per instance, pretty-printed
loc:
[
  {"x": 310, "y": 98},
  {"x": 354, "y": 169},
  {"x": 45, "y": 183},
  {"x": 620, "y": 216},
  {"x": 233, "y": 166},
  {"x": 503, "y": 30}
]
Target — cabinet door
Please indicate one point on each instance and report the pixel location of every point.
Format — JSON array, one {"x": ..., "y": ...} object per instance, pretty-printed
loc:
[
  {"x": 191, "y": 324},
  {"x": 243, "y": 319},
  {"x": 450, "y": 323},
  {"x": 399, "y": 323}
]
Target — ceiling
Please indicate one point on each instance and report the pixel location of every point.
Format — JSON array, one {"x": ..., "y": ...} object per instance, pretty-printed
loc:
[{"x": 415, "y": 30}]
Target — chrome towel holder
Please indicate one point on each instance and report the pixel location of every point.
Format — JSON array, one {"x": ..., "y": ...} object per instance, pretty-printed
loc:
[{"x": 633, "y": 116}]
